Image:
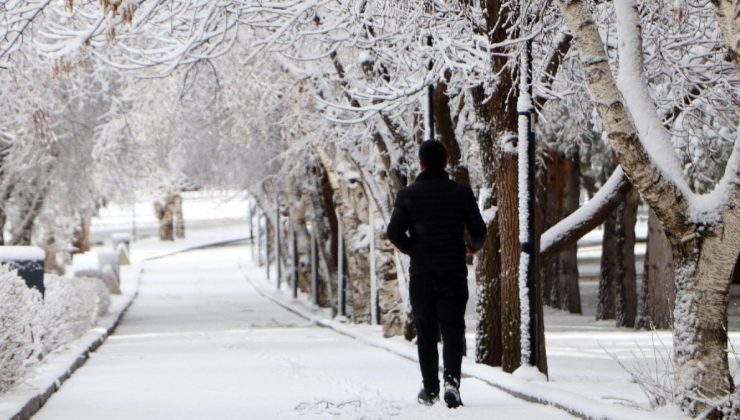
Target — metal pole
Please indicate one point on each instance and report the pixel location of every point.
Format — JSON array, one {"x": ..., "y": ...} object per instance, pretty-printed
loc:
[
  {"x": 295, "y": 262},
  {"x": 267, "y": 245},
  {"x": 532, "y": 221},
  {"x": 374, "y": 310},
  {"x": 530, "y": 246},
  {"x": 278, "y": 251},
  {"x": 259, "y": 236},
  {"x": 251, "y": 225},
  {"x": 430, "y": 96},
  {"x": 314, "y": 269},
  {"x": 133, "y": 222},
  {"x": 340, "y": 270}
]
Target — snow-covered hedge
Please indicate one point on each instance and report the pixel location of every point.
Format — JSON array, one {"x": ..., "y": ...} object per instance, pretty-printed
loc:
[
  {"x": 31, "y": 327},
  {"x": 20, "y": 327},
  {"x": 71, "y": 307}
]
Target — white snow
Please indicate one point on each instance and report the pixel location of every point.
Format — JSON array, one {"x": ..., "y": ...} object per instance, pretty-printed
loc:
[
  {"x": 525, "y": 320},
  {"x": 201, "y": 342},
  {"x": 21, "y": 253}
]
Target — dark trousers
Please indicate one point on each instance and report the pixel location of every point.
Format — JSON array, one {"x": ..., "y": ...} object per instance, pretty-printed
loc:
[{"x": 438, "y": 302}]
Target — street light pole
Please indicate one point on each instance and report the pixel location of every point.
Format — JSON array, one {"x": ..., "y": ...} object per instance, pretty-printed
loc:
[{"x": 529, "y": 242}]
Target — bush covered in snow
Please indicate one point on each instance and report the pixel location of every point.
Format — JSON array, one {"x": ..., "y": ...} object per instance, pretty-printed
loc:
[
  {"x": 20, "y": 326},
  {"x": 71, "y": 307},
  {"x": 31, "y": 327}
]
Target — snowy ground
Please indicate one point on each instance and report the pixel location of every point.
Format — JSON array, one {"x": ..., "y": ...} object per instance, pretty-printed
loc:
[
  {"x": 200, "y": 342},
  {"x": 201, "y": 209}
]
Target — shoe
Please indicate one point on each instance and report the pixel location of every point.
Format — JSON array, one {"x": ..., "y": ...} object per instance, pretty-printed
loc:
[
  {"x": 427, "y": 397},
  {"x": 452, "y": 393}
]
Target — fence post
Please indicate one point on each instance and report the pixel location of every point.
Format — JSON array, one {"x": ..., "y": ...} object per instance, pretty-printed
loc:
[
  {"x": 251, "y": 226},
  {"x": 267, "y": 245},
  {"x": 341, "y": 280},
  {"x": 314, "y": 269},
  {"x": 278, "y": 251},
  {"x": 295, "y": 261},
  {"x": 374, "y": 312}
]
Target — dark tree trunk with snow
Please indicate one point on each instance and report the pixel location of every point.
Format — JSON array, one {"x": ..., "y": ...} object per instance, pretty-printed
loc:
[
  {"x": 325, "y": 227},
  {"x": 560, "y": 195},
  {"x": 509, "y": 236},
  {"x": 607, "y": 287},
  {"x": 488, "y": 334},
  {"x": 658, "y": 291},
  {"x": 489, "y": 347},
  {"x": 617, "y": 296}
]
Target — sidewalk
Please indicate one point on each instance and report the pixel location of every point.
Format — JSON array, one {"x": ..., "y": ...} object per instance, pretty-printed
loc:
[
  {"x": 34, "y": 389},
  {"x": 201, "y": 342}
]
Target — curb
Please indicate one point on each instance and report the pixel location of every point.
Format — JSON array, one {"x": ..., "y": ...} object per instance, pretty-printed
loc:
[
  {"x": 93, "y": 339},
  {"x": 574, "y": 404}
]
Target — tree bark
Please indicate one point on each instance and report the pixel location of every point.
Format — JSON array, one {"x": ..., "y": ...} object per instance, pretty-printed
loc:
[
  {"x": 353, "y": 211},
  {"x": 81, "y": 240},
  {"x": 609, "y": 264},
  {"x": 703, "y": 273},
  {"x": 617, "y": 297},
  {"x": 179, "y": 219},
  {"x": 164, "y": 210},
  {"x": 489, "y": 347},
  {"x": 391, "y": 305},
  {"x": 658, "y": 291},
  {"x": 23, "y": 233},
  {"x": 561, "y": 195}
]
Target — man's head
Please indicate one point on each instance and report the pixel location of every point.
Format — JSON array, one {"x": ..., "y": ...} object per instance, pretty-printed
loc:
[{"x": 433, "y": 155}]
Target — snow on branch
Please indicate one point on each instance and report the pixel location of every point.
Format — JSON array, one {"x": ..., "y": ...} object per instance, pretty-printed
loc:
[{"x": 587, "y": 217}]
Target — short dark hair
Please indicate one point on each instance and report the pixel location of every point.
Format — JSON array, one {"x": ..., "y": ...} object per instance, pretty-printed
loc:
[{"x": 433, "y": 154}]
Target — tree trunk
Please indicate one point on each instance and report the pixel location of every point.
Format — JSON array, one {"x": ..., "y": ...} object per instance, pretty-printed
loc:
[
  {"x": 179, "y": 219},
  {"x": 507, "y": 177},
  {"x": 391, "y": 306},
  {"x": 626, "y": 282},
  {"x": 703, "y": 275},
  {"x": 52, "y": 264},
  {"x": 353, "y": 212},
  {"x": 561, "y": 193},
  {"x": 81, "y": 240},
  {"x": 609, "y": 264},
  {"x": 164, "y": 210},
  {"x": 489, "y": 347},
  {"x": 658, "y": 291},
  {"x": 23, "y": 233},
  {"x": 617, "y": 297}
]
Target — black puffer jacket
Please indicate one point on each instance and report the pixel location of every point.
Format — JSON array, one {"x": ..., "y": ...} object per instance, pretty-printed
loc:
[{"x": 435, "y": 212}]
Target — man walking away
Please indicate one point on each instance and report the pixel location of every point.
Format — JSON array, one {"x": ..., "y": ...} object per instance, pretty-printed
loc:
[{"x": 428, "y": 223}]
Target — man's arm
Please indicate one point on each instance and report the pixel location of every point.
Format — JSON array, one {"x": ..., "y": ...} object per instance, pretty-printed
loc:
[
  {"x": 474, "y": 222},
  {"x": 399, "y": 225}
]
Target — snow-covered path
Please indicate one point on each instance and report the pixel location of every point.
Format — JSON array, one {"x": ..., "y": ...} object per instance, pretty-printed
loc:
[{"x": 200, "y": 342}]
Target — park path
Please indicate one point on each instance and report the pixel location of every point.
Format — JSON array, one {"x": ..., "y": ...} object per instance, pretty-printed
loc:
[{"x": 200, "y": 342}]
